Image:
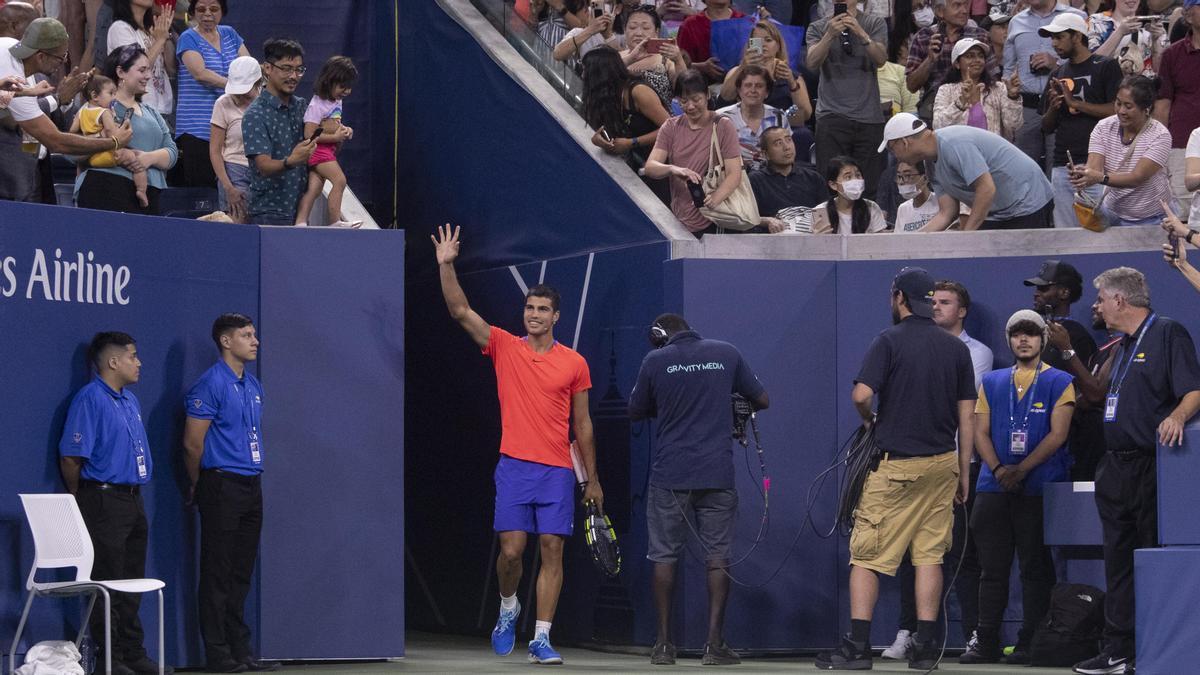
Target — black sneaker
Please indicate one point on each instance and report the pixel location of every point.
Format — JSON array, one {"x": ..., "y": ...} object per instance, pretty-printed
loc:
[
  {"x": 1104, "y": 664},
  {"x": 1018, "y": 657},
  {"x": 717, "y": 656},
  {"x": 663, "y": 654},
  {"x": 850, "y": 655},
  {"x": 254, "y": 665},
  {"x": 981, "y": 653},
  {"x": 144, "y": 666},
  {"x": 924, "y": 655},
  {"x": 226, "y": 666}
]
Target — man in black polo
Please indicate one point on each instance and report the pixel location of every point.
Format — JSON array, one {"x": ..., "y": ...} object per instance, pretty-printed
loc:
[
  {"x": 925, "y": 384},
  {"x": 686, "y": 384},
  {"x": 783, "y": 184},
  {"x": 1153, "y": 390},
  {"x": 1057, "y": 286}
]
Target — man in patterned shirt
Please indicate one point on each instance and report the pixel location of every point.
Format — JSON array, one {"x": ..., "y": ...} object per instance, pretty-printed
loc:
[
  {"x": 273, "y": 132},
  {"x": 929, "y": 53}
]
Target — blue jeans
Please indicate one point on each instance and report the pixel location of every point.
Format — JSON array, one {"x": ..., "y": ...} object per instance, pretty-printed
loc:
[
  {"x": 240, "y": 177},
  {"x": 1064, "y": 197}
]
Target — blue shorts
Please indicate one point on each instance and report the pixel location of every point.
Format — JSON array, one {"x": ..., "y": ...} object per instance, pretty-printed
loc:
[{"x": 532, "y": 497}]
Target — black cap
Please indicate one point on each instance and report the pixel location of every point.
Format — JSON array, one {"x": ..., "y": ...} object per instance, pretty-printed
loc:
[
  {"x": 917, "y": 287},
  {"x": 1061, "y": 273}
]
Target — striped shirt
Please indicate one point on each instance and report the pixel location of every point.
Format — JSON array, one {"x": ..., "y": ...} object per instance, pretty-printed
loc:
[
  {"x": 1153, "y": 143},
  {"x": 196, "y": 100}
]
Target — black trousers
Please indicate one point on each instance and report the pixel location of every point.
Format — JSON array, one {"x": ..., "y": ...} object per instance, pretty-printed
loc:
[
  {"x": 1127, "y": 499},
  {"x": 1003, "y": 524},
  {"x": 837, "y": 135},
  {"x": 194, "y": 168},
  {"x": 230, "y": 523},
  {"x": 966, "y": 584},
  {"x": 110, "y": 192},
  {"x": 116, "y": 522},
  {"x": 1040, "y": 219}
]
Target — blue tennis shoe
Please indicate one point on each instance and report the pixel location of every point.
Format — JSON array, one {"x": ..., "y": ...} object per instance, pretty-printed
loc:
[
  {"x": 541, "y": 652},
  {"x": 504, "y": 635}
]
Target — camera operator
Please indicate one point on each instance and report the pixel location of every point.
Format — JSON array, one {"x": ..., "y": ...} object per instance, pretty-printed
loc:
[
  {"x": 686, "y": 383},
  {"x": 925, "y": 384},
  {"x": 1153, "y": 390}
]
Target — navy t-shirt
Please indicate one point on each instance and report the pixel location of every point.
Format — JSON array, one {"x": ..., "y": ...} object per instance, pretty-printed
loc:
[
  {"x": 687, "y": 385},
  {"x": 919, "y": 373}
]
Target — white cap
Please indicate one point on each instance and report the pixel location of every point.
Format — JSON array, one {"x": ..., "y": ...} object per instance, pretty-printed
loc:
[
  {"x": 902, "y": 125},
  {"x": 244, "y": 73},
  {"x": 963, "y": 45},
  {"x": 1062, "y": 22},
  {"x": 1026, "y": 315}
]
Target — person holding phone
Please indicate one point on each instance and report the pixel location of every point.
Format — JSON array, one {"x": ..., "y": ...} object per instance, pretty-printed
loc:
[
  {"x": 114, "y": 189},
  {"x": 594, "y": 30},
  {"x": 929, "y": 63},
  {"x": 1078, "y": 94},
  {"x": 1137, "y": 42},
  {"x": 695, "y": 37},
  {"x": 658, "y": 61},
  {"x": 767, "y": 48}
]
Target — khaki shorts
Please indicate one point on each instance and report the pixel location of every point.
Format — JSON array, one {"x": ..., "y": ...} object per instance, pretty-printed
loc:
[{"x": 907, "y": 505}]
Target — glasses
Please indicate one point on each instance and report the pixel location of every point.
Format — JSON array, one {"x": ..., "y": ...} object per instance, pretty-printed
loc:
[
  {"x": 56, "y": 57},
  {"x": 288, "y": 70},
  {"x": 907, "y": 178}
]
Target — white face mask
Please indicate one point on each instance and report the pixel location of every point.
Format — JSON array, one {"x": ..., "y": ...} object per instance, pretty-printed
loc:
[
  {"x": 924, "y": 17},
  {"x": 853, "y": 189},
  {"x": 908, "y": 191}
]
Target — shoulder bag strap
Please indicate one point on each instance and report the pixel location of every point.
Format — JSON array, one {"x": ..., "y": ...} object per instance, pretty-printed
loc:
[{"x": 714, "y": 148}]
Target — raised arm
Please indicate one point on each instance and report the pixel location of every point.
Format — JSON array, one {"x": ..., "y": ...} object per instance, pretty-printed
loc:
[{"x": 446, "y": 244}]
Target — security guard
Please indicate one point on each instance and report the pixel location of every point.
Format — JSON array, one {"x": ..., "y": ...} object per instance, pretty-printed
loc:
[
  {"x": 224, "y": 445},
  {"x": 105, "y": 459},
  {"x": 1153, "y": 390}
]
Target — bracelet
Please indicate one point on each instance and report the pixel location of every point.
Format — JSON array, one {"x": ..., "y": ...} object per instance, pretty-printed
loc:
[
  {"x": 998, "y": 467},
  {"x": 634, "y": 141},
  {"x": 116, "y": 145},
  {"x": 1188, "y": 237}
]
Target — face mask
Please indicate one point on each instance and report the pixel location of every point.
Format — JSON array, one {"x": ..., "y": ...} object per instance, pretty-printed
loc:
[
  {"x": 909, "y": 191},
  {"x": 853, "y": 189},
  {"x": 924, "y": 17}
]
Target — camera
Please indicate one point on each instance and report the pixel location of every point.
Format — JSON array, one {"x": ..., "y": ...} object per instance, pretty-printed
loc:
[{"x": 743, "y": 410}]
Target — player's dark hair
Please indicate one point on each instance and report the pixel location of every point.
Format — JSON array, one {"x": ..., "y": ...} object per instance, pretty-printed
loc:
[
  {"x": 102, "y": 341},
  {"x": 227, "y": 323},
  {"x": 544, "y": 291}
]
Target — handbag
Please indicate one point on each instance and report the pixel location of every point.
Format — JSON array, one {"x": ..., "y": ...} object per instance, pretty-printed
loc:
[
  {"x": 1088, "y": 212},
  {"x": 738, "y": 211}
]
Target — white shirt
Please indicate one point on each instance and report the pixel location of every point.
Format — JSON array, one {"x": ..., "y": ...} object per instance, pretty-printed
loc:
[
  {"x": 23, "y": 108},
  {"x": 911, "y": 218},
  {"x": 981, "y": 357},
  {"x": 593, "y": 41}
]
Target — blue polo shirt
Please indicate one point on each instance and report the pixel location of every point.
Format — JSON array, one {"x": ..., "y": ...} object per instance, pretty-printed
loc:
[
  {"x": 271, "y": 127},
  {"x": 104, "y": 428},
  {"x": 235, "y": 407},
  {"x": 687, "y": 385}
]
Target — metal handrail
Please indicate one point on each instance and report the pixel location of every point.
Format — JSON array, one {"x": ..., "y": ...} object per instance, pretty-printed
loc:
[{"x": 524, "y": 37}]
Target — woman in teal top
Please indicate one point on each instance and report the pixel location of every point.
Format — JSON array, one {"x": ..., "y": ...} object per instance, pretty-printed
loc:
[{"x": 111, "y": 189}]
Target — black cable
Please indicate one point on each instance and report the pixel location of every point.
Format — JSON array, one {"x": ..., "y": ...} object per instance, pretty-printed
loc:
[{"x": 950, "y": 585}]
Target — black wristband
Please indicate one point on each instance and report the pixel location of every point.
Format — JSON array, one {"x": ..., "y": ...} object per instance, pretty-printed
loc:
[
  {"x": 998, "y": 467},
  {"x": 1188, "y": 237}
]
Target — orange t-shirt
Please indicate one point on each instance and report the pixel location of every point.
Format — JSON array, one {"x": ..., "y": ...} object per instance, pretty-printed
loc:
[{"x": 535, "y": 397}]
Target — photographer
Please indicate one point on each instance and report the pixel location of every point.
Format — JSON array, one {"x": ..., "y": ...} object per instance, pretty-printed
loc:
[
  {"x": 925, "y": 386},
  {"x": 686, "y": 383}
]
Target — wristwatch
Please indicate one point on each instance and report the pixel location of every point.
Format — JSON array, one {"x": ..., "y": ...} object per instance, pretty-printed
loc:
[
  {"x": 1068, "y": 354},
  {"x": 1188, "y": 237},
  {"x": 1105, "y": 179}
]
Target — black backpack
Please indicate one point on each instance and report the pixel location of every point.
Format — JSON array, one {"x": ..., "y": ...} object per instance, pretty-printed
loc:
[{"x": 1071, "y": 630}]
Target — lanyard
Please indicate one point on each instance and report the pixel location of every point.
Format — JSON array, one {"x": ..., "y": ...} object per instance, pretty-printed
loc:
[
  {"x": 138, "y": 447},
  {"x": 248, "y": 421},
  {"x": 1012, "y": 393},
  {"x": 1119, "y": 379}
]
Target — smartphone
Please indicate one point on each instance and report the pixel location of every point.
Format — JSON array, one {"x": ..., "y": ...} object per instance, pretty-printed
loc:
[
  {"x": 1070, "y": 162},
  {"x": 697, "y": 192},
  {"x": 597, "y": 10},
  {"x": 1048, "y": 313},
  {"x": 1173, "y": 240},
  {"x": 654, "y": 45},
  {"x": 755, "y": 45},
  {"x": 839, "y": 8},
  {"x": 604, "y": 134},
  {"x": 316, "y": 133}
]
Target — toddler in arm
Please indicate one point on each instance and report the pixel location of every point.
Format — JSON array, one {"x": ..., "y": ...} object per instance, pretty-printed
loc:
[
  {"x": 95, "y": 120},
  {"x": 334, "y": 83}
]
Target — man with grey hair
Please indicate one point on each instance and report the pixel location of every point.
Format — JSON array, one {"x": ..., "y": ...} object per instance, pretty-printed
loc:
[
  {"x": 1153, "y": 390},
  {"x": 928, "y": 62}
]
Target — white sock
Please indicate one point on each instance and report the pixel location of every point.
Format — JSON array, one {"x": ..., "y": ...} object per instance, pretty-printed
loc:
[
  {"x": 541, "y": 629},
  {"x": 508, "y": 603}
]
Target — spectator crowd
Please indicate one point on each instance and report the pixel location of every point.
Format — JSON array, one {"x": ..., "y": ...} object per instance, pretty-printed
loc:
[
  {"x": 132, "y": 97},
  {"x": 901, "y": 115}
]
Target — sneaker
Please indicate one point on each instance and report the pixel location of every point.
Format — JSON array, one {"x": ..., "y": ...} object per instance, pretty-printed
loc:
[
  {"x": 663, "y": 654},
  {"x": 850, "y": 655},
  {"x": 1018, "y": 657},
  {"x": 147, "y": 667},
  {"x": 720, "y": 655},
  {"x": 541, "y": 652},
  {"x": 1104, "y": 664},
  {"x": 973, "y": 640},
  {"x": 347, "y": 223},
  {"x": 504, "y": 635},
  {"x": 254, "y": 665},
  {"x": 924, "y": 655},
  {"x": 981, "y": 653},
  {"x": 900, "y": 648}
]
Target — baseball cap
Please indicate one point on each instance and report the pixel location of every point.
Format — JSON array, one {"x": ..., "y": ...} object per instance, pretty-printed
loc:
[
  {"x": 917, "y": 286},
  {"x": 42, "y": 35},
  {"x": 963, "y": 45},
  {"x": 1056, "y": 272},
  {"x": 1025, "y": 315},
  {"x": 244, "y": 72},
  {"x": 996, "y": 17},
  {"x": 1063, "y": 22},
  {"x": 902, "y": 125}
]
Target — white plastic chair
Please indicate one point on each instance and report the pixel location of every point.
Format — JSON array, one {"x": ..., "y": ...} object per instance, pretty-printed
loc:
[{"x": 60, "y": 539}]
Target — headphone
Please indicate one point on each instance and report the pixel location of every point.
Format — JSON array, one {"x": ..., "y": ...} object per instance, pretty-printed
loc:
[{"x": 657, "y": 335}]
